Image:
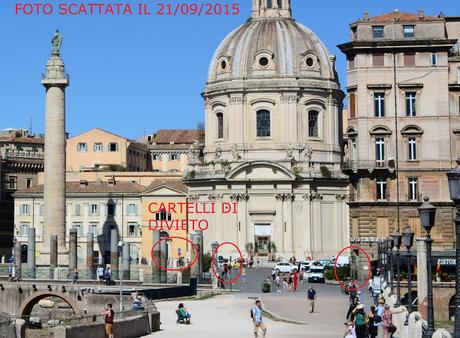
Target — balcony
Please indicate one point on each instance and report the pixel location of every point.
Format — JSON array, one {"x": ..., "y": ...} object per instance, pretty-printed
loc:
[
  {"x": 12, "y": 154},
  {"x": 368, "y": 165}
]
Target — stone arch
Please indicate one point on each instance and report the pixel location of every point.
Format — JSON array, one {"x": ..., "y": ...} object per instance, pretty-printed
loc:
[{"x": 26, "y": 307}]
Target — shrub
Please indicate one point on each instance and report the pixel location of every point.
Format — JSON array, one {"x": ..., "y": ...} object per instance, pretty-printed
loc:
[
  {"x": 206, "y": 262},
  {"x": 325, "y": 172}
]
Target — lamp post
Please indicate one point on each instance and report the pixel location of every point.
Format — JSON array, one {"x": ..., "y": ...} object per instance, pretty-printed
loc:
[
  {"x": 408, "y": 241},
  {"x": 390, "y": 246},
  {"x": 454, "y": 188},
  {"x": 214, "y": 246},
  {"x": 397, "y": 241},
  {"x": 427, "y": 216},
  {"x": 380, "y": 255},
  {"x": 120, "y": 247}
]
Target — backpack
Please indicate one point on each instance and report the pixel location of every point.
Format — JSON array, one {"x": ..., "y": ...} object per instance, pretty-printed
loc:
[
  {"x": 360, "y": 320},
  {"x": 252, "y": 314}
]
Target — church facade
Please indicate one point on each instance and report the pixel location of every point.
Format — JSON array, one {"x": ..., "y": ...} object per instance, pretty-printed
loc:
[{"x": 272, "y": 124}]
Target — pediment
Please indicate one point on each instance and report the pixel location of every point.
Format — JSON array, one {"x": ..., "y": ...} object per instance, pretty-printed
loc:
[
  {"x": 260, "y": 171},
  {"x": 163, "y": 190}
]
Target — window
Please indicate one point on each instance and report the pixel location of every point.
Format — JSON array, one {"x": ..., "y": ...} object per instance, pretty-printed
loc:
[
  {"x": 93, "y": 228},
  {"x": 162, "y": 215},
  {"x": 24, "y": 210},
  {"x": 82, "y": 147},
  {"x": 434, "y": 59},
  {"x": 378, "y": 60},
  {"x": 29, "y": 183},
  {"x": 113, "y": 147},
  {"x": 380, "y": 151},
  {"x": 174, "y": 156},
  {"x": 410, "y": 103},
  {"x": 94, "y": 209},
  {"x": 351, "y": 62},
  {"x": 220, "y": 125},
  {"x": 132, "y": 209},
  {"x": 458, "y": 75},
  {"x": 24, "y": 229},
  {"x": 409, "y": 31},
  {"x": 379, "y": 104},
  {"x": 377, "y": 32},
  {"x": 412, "y": 151},
  {"x": 156, "y": 157},
  {"x": 381, "y": 188},
  {"x": 110, "y": 209},
  {"x": 313, "y": 121},
  {"x": 413, "y": 189},
  {"x": 77, "y": 210},
  {"x": 98, "y": 147},
  {"x": 133, "y": 230},
  {"x": 409, "y": 59},
  {"x": 79, "y": 228},
  {"x": 41, "y": 210},
  {"x": 263, "y": 123},
  {"x": 11, "y": 182},
  {"x": 352, "y": 104}
]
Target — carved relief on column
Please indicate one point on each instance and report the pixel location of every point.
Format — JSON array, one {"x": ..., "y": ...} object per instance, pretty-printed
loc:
[
  {"x": 193, "y": 197},
  {"x": 215, "y": 197}
]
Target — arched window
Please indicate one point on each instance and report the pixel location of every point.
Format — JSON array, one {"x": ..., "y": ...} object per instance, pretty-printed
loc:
[
  {"x": 263, "y": 123},
  {"x": 313, "y": 123},
  {"x": 220, "y": 125}
]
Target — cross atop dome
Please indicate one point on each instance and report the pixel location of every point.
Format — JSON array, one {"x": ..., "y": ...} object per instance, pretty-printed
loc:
[{"x": 271, "y": 8}]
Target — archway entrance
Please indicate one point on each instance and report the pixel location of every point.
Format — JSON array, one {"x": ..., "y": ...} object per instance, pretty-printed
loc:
[{"x": 27, "y": 306}]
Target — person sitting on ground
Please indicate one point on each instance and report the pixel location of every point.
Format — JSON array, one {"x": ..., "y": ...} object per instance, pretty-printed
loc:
[{"x": 183, "y": 313}]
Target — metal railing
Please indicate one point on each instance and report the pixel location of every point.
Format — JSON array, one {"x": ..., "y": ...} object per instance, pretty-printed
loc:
[
  {"x": 9, "y": 154},
  {"x": 367, "y": 164}
]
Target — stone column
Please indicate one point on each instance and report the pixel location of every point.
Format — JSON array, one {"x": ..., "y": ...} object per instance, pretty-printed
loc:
[
  {"x": 156, "y": 257},
  {"x": 17, "y": 259},
  {"x": 72, "y": 249},
  {"x": 422, "y": 286},
  {"x": 195, "y": 268},
  {"x": 163, "y": 261},
  {"x": 31, "y": 253},
  {"x": 90, "y": 255},
  {"x": 55, "y": 81},
  {"x": 114, "y": 253},
  {"x": 289, "y": 225},
  {"x": 53, "y": 255},
  {"x": 125, "y": 262}
]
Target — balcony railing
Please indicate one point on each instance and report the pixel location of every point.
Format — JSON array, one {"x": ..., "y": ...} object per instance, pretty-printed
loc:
[
  {"x": 356, "y": 165},
  {"x": 21, "y": 154}
]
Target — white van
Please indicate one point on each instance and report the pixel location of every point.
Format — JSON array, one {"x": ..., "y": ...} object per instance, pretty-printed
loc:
[{"x": 316, "y": 274}]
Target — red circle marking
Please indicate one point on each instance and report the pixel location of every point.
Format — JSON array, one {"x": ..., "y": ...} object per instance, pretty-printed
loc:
[
  {"x": 213, "y": 267},
  {"x": 363, "y": 284},
  {"x": 155, "y": 261}
]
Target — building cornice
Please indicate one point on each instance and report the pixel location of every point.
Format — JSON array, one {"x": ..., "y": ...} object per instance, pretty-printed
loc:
[{"x": 394, "y": 46}]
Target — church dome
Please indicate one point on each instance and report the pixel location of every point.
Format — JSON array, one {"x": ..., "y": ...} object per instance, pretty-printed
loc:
[{"x": 271, "y": 45}]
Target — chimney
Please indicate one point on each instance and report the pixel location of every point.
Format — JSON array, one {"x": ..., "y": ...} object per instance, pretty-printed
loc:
[
  {"x": 421, "y": 14},
  {"x": 83, "y": 183}
]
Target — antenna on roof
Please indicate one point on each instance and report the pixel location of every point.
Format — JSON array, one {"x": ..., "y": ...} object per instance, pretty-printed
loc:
[{"x": 30, "y": 125}]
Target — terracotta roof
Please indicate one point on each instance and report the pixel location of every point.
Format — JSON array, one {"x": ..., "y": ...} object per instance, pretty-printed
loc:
[
  {"x": 35, "y": 140},
  {"x": 403, "y": 17},
  {"x": 176, "y": 136},
  {"x": 172, "y": 183},
  {"x": 93, "y": 187}
]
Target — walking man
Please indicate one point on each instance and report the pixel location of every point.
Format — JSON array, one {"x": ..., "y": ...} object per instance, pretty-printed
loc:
[
  {"x": 311, "y": 299},
  {"x": 256, "y": 314}
]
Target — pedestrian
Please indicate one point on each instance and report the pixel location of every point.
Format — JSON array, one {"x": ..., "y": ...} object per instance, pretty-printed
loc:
[
  {"x": 100, "y": 274},
  {"x": 108, "y": 320},
  {"x": 277, "y": 282},
  {"x": 351, "y": 310},
  {"x": 371, "y": 328},
  {"x": 379, "y": 311},
  {"x": 387, "y": 319},
  {"x": 243, "y": 273},
  {"x": 311, "y": 299},
  {"x": 360, "y": 321},
  {"x": 285, "y": 282},
  {"x": 186, "y": 315},
  {"x": 290, "y": 282},
  {"x": 349, "y": 330},
  {"x": 256, "y": 315},
  {"x": 75, "y": 276},
  {"x": 301, "y": 277},
  {"x": 294, "y": 280}
]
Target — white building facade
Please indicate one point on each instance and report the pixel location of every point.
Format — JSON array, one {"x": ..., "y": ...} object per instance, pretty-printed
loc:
[{"x": 273, "y": 119}]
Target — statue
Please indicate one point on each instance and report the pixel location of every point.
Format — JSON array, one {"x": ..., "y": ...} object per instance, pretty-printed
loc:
[
  {"x": 235, "y": 152},
  {"x": 289, "y": 151},
  {"x": 307, "y": 151},
  {"x": 56, "y": 43}
]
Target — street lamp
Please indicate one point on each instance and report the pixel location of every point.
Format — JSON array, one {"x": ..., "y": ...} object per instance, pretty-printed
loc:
[
  {"x": 214, "y": 246},
  {"x": 427, "y": 216},
  {"x": 390, "y": 246},
  {"x": 120, "y": 247},
  {"x": 397, "y": 241},
  {"x": 454, "y": 188},
  {"x": 408, "y": 241}
]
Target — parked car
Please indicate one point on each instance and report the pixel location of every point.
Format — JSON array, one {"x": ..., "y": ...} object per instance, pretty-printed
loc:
[
  {"x": 305, "y": 265},
  {"x": 284, "y": 267},
  {"x": 316, "y": 274},
  {"x": 326, "y": 263}
]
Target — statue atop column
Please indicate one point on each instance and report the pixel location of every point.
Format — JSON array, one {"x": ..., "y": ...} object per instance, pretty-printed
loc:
[{"x": 56, "y": 43}]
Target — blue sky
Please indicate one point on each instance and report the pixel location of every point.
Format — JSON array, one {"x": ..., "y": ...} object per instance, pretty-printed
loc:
[{"x": 135, "y": 74}]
